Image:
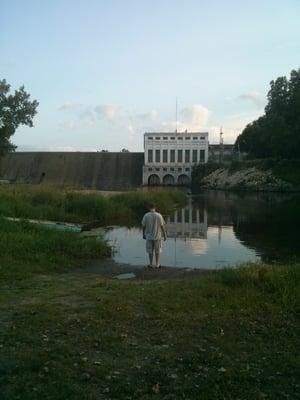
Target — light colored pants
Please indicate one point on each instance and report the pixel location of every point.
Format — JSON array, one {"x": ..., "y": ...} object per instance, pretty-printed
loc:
[{"x": 153, "y": 246}]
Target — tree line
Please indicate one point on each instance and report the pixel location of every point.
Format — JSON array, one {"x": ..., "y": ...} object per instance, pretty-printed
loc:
[{"x": 276, "y": 134}]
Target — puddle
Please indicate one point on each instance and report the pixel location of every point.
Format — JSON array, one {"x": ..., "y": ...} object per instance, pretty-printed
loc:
[{"x": 129, "y": 275}]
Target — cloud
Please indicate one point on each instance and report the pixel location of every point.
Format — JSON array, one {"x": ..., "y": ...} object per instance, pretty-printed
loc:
[
  {"x": 23, "y": 148},
  {"x": 68, "y": 125},
  {"x": 257, "y": 98},
  {"x": 88, "y": 117},
  {"x": 148, "y": 116},
  {"x": 70, "y": 106},
  {"x": 110, "y": 112},
  {"x": 232, "y": 126},
  {"x": 191, "y": 118},
  {"x": 195, "y": 116}
]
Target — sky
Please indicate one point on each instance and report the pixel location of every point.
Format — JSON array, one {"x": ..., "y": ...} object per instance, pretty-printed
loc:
[{"x": 104, "y": 72}]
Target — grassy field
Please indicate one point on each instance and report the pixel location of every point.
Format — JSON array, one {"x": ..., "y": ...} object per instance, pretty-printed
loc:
[
  {"x": 66, "y": 334},
  {"x": 231, "y": 335}
]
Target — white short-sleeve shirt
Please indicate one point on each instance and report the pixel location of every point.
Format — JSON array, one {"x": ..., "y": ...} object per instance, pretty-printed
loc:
[{"x": 153, "y": 223}]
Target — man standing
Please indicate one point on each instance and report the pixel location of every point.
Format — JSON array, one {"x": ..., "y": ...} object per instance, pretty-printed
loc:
[{"x": 153, "y": 231}]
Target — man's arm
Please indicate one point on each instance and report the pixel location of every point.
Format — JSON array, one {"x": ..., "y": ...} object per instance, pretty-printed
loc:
[
  {"x": 163, "y": 228},
  {"x": 144, "y": 227},
  {"x": 164, "y": 232}
]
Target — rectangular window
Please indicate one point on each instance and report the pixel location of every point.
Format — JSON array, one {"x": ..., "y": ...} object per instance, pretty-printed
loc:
[
  {"x": 195, "y": 138},
  {"x": 187, "y": 156},
  {"x": 202, "y": 155},
  {"x": 149, "y": 169},
  {"x": 150, "y": 138},
  {"x": 187, "y": 169},
  {"x": 180, "y": 138},
  {"x": 186, "y": 216},
  {"x": 165, "y": 156},
  {"x": 179, "y": 216},
  {"x": 157, "y": 156},
  {"x": 195, "y": 158},
  {"x": 179, "y": 156},
  {"x": 194, "y": 216},
  {"x": 202, "y": 137},
  {"x": 187, "y": 138},
  {"x": 172, "y": 155},
  {"x": 157, "y": 138},
  {"x": 150, "y": 156},
  {"x": 165, "y": 138},
  {"x": 172, "y": 138},
  {"x": 201, "y": 216},
  {"x": 179, "y": 169}
]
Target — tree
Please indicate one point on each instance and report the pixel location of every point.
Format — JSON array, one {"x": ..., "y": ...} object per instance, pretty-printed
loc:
[
  {"x": 15, "y": 110},
  {"x": 124, "y": 151},
  {"x": 276, "y": 133}
]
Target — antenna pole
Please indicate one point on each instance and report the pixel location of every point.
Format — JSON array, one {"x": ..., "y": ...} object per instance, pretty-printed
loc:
[{"x": 176, "y": 111}]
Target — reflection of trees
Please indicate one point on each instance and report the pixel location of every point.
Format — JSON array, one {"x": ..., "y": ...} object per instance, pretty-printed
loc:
[
  {"x": 266, "y": 222},
  {"x": 273, "y": 231}
]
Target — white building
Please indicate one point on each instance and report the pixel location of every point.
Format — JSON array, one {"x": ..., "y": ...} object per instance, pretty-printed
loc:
[{"x": 169, "y": 157}]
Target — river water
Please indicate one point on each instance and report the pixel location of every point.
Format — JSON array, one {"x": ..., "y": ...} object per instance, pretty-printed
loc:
[{"x": 219, "y": 229}]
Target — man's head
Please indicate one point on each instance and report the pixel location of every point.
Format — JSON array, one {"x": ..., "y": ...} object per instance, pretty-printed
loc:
[{"x": 151, "y": 207}]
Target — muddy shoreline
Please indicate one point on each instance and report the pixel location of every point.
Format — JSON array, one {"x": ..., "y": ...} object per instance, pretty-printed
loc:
[{"x": 109, "y": 269}]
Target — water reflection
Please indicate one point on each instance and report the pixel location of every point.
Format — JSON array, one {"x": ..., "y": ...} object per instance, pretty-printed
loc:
[
  {"x": 187, "y": 222},
  {"x": 219, "y": 229}
]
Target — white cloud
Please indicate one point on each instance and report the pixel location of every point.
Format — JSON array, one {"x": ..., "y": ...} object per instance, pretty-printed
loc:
[
  {"x": 132, "y": 125},
  {"x": 70, "y": 106},
  {"x": 24, "y": 148},
  {"x": 88, "y": 117},
  {"x": 148, "y": 116},
  {"x": 68, "y": 125},
  {"x": 258, "y": 99},
  {"x": 195, "y": 116},
  {"x": 232, "y": 126},
  {"x": 110, "y": 112}
]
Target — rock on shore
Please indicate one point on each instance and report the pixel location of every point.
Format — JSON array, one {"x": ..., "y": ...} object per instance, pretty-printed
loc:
[{"x": 245, "y": 179}]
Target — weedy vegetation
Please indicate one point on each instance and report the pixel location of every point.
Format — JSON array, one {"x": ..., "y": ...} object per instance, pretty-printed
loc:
[
  {"x": 65, "y": 334},
  {"x": 58, "y": 204}
]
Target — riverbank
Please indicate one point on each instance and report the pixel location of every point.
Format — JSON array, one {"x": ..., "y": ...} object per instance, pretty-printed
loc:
[
  {"x": 252, "y": 175},
  {"x": 70, "y": 329},
  {"x": 228, "y": 334}
]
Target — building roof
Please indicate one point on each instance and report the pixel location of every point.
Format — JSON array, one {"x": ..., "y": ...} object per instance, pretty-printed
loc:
[{"x": 175, "y": 133}]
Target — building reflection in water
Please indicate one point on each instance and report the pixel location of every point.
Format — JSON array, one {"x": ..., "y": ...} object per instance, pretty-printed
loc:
[
  {"x": 188, "y": 222},
  {"x": 190, "y": 225}
]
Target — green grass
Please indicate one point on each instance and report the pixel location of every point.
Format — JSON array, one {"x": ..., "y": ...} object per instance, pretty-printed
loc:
[
  {"x": 42, "y": 202},
  {"x": 231, "y": 335},
  {"x": 26, "y": 249}
]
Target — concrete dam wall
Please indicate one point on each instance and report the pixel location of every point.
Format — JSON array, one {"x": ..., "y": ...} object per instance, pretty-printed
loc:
[{"x": 102, "y": 171}]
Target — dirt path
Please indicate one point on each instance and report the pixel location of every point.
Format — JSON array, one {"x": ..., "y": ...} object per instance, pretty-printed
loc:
[{"x": 110, "y": 269}]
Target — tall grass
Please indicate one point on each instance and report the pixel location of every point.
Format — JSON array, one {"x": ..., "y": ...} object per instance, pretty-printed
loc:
[
  {"x": 280, "y": 282},
  {"x": 27, "y": 201},
  {"x": 26, "y": 249}
]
